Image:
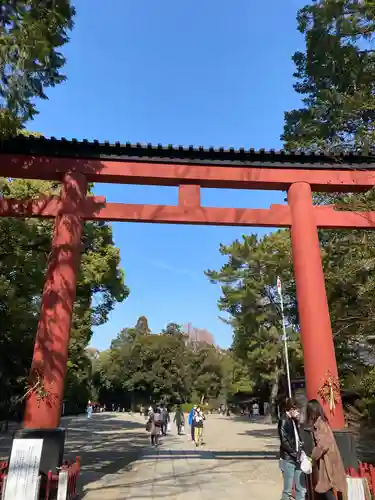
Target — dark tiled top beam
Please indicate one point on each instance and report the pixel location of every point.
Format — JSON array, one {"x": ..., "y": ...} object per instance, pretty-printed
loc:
[{"x": 41, "y": 146}]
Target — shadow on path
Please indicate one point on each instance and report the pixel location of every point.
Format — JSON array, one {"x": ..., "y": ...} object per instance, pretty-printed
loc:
[
  {"x": 188, "y": 479},
  {"x": 104, "y": 443},
  {"x": 261, "y": 433},
  {"x": 210, "y": 455}
]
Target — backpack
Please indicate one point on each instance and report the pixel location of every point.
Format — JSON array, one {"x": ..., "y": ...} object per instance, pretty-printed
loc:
[{"x": 198, "y": 421}]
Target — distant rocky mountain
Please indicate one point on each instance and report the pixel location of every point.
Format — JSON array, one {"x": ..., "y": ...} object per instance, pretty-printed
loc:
[{"x": 200, "y": 335}]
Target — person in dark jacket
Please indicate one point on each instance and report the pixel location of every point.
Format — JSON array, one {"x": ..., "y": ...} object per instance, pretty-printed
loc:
[
  {"x": 290, "y": 451},
  {"x": 165, "y": 419},
  {"x": 179, "y": 418}
]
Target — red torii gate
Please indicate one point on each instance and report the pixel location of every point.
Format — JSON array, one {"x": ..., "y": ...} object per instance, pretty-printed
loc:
[{"x": 77, "y": 163}]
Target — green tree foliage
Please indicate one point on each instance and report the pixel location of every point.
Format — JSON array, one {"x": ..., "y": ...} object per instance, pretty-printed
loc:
[
  {"x": 335, "y": 77},
  {"x": 32, "y": 33},
  {"x": 249, "y": 295},
  {"x": 163, "y": 367},
  {"x": 149, "y": 367},
  {"x": 24, "y": 249},
  {"x": 172, "y": 329},
  {"x": 236, "y": 377},
  {"x": 349, "y": 264},
  {"x": 207, "y": 372}
]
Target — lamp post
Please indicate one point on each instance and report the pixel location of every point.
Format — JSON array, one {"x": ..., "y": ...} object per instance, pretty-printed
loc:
[{"x": 279, "y": 290}]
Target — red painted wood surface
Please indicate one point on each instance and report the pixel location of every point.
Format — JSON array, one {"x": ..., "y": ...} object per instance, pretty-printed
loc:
[
  {"x": 187, "y": 212},
  {"x": 316, "y": 333},
  {"x": 50, "y": 356},
  {"x": 172, "y": 174},
  {"x": 50, "y": 353},
  {"x": 276, "y": 216}
]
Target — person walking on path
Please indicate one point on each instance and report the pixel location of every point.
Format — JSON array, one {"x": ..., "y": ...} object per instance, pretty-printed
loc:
[
  {"x": 198, "y": 427},
  {"x": 179, "y": 420},
  {"x": 328, "y": 468},
  {"x": 165, "y": 419},
  {"x": 154, "y": 426},
  {"x": 150, "y": 411},
  {"x": 89, "y": 410},
  {"x": 290, "y": 453},
  {"x": 191, "y": 421}
]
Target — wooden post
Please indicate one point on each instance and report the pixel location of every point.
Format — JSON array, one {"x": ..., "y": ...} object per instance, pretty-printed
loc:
[
  {"x": 44, "y": 401},
  {"x": 316, "y": 332}
]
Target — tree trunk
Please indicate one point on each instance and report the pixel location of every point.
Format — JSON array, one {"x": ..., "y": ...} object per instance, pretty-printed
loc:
[{"x": 273, "y": 395}]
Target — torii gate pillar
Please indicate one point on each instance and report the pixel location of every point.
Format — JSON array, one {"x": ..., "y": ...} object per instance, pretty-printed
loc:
[
  {"x": 49, "y": 364},
  {"x": 316, "y": 332}
]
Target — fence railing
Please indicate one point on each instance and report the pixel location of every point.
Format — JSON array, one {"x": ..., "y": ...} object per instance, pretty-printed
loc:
[
  {"x": 50, "y": 484},
  {"x": 364, "y": 471},
  {"x": 3, "y": 469}
]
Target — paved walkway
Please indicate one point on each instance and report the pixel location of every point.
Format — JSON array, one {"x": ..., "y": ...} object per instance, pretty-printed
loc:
[{"x": 239, "y": 460}]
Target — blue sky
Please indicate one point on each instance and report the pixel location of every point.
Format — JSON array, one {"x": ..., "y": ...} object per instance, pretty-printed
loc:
[{"x": 197, "y": 72}]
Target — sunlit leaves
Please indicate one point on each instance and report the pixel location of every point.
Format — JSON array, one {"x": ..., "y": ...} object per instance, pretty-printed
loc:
[
  {"x": 24, "y": 250},
  {"x": 336, "y": 78},
  {"x": 31, "y": 35},
  {"x": 249, "y": 295}
]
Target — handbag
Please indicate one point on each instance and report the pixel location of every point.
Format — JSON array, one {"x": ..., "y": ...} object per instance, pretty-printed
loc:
[
  {"x": 182, "y": 429},
  {"x": 306, "y": 463}
]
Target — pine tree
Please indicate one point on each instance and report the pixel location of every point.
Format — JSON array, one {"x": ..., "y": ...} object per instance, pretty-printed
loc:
[
  {"x": 31, "y": 35},
  {"x": 335, "y": 77}
]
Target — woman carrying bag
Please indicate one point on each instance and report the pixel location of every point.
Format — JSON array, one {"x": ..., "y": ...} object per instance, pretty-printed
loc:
[
  {"x": 328, "y": 469},
  {"x": 153, "y": 426}
]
